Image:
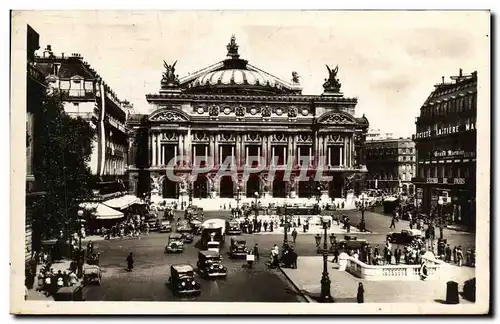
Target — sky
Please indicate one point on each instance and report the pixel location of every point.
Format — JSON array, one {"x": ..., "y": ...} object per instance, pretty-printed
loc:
[{"x": 390, "y": 61}]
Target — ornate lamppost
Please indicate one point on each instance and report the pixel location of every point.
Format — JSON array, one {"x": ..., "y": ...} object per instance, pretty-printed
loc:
[
  {"x": 285, "y": 226},
  {"x": 326, "y": 296},
  {"x": 80, "y": 251},
  {"x": 256, "y": 194},
  {"x": 362, "y": 225}
]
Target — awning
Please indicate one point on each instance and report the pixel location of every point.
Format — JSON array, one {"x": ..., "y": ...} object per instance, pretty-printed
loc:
[
  {"x": 122, "y": 202},
  {"x": 100, "y": 211}
]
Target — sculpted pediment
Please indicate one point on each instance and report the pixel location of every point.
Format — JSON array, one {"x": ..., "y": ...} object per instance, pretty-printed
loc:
[
  {"x": 337, "y": 119},
  {"x": 169, "y": 116}
]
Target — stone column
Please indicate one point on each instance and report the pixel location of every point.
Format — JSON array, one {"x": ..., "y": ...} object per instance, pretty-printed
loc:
[
  {"x": 264, "y": 148},
  {"x": 341, "y": 158},
  {"x": 289, "y": 156},
  {"x": 216, "y": 149},
  {"x": 158, "y": 149},
  {"x": 154, "y": 146},
  {"x": 187, "y": 146},
  {"x": 238, "y": 150},
  {"x": 246, "y": 155},
  {"x": 319, "y": 150},
  {"x": 242, "y": 150},
  {"x": 295, "y": 154},
  {"x": 344, "y": 163},
  {"x": 269, "y": 153},
  {"x": 181, "y": 146},
  {"x": 211, "y": 148}
]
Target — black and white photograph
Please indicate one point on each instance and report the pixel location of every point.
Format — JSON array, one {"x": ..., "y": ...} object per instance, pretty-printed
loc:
[{"x": 250, "y": 162}]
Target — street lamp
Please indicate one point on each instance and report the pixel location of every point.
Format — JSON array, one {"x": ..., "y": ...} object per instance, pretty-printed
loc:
[
  {"x": 80, "y": 252},
  {"x": 256, "y": 194},
  {"x": 326, "y": 296},
  {"x": 362, "y": 224}
]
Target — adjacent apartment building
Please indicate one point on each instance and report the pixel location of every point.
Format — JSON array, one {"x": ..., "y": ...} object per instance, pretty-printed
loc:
[
  {"x": 446, "y": 150},
  {"x": 391, "y": 163},
  {"x": 85, "y": 94},
  {"x": 35, "y": 91}
]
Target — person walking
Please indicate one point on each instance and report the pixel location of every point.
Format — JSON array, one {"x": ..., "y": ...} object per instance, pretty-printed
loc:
[
  {"x": 460, "y": 256},
  {"x": 393, "y": 223},
  {"x": 360, "y": 296},
  {"x": 256, "y": 251},
  {"x": 294, "y": 235},
  {"x": 130, "y": 262}
]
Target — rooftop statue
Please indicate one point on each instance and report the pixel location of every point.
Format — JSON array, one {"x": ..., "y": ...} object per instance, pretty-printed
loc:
[
  {"x": 169, "y": 78},
  {"x": 332, "y": 83},
  {"x": 232, "y": 48},
  {"x": 295, "y": 77}
]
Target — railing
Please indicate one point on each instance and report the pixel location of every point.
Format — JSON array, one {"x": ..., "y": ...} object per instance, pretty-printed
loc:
[
  {"x": 391, "y": 272},
  {"x": 84, "y": 115}
]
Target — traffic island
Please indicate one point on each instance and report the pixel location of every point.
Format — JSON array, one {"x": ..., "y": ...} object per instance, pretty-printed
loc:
[{"x": 306, "y": 278}]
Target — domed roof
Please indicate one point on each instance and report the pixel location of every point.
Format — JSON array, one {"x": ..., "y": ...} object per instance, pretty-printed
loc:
[{"x": 236, "y": 75}]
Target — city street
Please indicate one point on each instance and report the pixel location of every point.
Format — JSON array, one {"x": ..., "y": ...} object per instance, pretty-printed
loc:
[{"x": 259, "y": 284}]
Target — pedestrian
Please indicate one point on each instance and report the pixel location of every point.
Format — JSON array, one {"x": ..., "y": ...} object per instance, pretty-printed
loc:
[
  {"x": 460, "y": 256},
  {"x": 455, "y": 255},
  {"x": 294, "y": 235},
  {"x": 130, "y": 262},
  {"x": 360, "y": 297},
  {"x": 447, "y": 253},
  {"x": 393, "y": 223},
  {"x": 90, "y": 248},
  {"x": 265, "y": 226},
  {"x": 256, "y": 251}
]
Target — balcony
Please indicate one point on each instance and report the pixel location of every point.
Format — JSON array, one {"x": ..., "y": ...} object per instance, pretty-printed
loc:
[
  {"x": 85, "y": 115},
  {"x": 80, "y": 94}
]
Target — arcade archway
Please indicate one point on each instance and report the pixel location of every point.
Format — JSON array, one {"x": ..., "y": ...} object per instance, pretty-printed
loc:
[
  {"x": 200, "y": 187},
  {"x": 279, "y": 188},
  {"x": 253, "y": 186},
  {"x": 170, "y": 188},
  {"x": 226, "y": 187}
]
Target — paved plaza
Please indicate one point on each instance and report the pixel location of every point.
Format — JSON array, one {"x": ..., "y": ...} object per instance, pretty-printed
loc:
[{"x": 259, "y": 284}]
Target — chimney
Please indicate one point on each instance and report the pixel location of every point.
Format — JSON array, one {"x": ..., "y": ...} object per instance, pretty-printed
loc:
[
  {"x": 442, "y": 79},
  {"x": 460, "y": 72},
  {"x": 62, "y": 55}
]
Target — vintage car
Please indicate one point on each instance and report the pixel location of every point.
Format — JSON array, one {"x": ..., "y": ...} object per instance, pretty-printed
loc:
[
  {"x": 196, "y": 226},
  {"x": 238, "y": 248},
  {"x": 214, "y": 246},
  {"x": 405, "y": 237},
  {"x": 153, "y": 223},
  {"x": 210, "y": 264},
  {"x": 187, "y": 237},
  {"x": 73, "y": 293},
  {"x": 165, "y": 227},
  {"x": 233, "y": 228},
  {"x": 175, "y": 244},
  {"x": 351, "y": 243},
  {"x": 184, "y": 226},
  {"x": 182, "y": 280}
]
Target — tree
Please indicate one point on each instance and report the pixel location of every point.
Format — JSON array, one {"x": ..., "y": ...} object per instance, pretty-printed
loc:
[{"x": 63, "y": 146}]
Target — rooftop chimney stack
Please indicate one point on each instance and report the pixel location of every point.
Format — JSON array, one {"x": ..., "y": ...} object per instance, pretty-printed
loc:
[
  {"x": 442, "y": 79},
  {"x": 460, "y": 73},
  {"x": 62, "y": 55}
]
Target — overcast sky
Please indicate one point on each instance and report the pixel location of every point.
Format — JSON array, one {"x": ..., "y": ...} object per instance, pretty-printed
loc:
[{"x": 388, "y": 60}]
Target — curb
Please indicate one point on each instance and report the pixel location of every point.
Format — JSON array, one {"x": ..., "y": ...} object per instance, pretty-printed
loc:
[{"x": 300, "y": 291}]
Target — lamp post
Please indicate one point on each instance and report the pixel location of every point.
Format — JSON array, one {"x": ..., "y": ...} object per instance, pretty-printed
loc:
[
  {"x": 318, "y": 197},
  {"x": 256, "y": 194},
  {"x": 80, "y": 251},
  {"x": 238, "y": 193},
  {"x": 326, "y": 296},
  {"x": 362, "y": 224},
  {"x": 285, "y": 227},
  {"x": 190, "y": 192}
]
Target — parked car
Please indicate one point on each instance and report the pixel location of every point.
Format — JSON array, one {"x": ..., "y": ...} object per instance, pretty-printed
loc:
[
  {"x": 175, "y": 244},
  {"x": 165, "y": 227},
  {"x": 182, "y": 280},
  {"x": 238, "y": 248},
  {"x": 233, "y": 228},
  {"x": 351, "y": 243},
  {"x": 405, "y": 237},
  {"x": 210, "y": 264}
]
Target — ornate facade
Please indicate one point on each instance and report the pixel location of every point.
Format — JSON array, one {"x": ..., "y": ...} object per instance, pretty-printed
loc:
[{"x": 234, "y": 109}]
